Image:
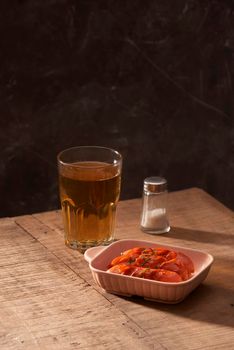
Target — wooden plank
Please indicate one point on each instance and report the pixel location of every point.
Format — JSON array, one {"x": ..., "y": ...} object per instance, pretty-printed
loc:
[
  {"x": 49, "y": 299},
  {"x": 44, "y": 304},
  {"x": 205, "y": 319}
]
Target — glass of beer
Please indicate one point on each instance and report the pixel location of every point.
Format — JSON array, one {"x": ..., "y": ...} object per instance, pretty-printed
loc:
[{"x": 89, "y": 186}]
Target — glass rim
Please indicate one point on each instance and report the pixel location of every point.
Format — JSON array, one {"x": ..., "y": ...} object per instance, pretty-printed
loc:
[{"x": 114, "y": 162}]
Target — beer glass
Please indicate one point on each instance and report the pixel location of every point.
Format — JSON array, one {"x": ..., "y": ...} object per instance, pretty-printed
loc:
[{"x": 89, "y": 186}]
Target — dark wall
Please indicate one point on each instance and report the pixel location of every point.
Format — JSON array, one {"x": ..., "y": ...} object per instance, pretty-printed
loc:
[{"x": 153, "y": 79}]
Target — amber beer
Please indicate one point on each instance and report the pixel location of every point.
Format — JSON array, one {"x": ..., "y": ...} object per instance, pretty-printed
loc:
[{"x": 89, "y": 192}]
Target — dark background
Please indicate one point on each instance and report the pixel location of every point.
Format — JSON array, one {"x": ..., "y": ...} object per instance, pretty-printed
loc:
[{"x": 152, "y": 79}]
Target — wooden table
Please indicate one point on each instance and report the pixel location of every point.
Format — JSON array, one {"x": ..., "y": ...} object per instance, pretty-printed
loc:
[{"x": 48, "y": 299}]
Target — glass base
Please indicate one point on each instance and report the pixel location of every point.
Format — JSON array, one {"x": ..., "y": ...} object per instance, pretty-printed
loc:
[
  {"x": 83, "y": 246},
  {"x": 155, "y": 231}
]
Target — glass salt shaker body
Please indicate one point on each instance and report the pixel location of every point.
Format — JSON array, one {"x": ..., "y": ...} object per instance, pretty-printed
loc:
[{"x": 154, "y": 211}]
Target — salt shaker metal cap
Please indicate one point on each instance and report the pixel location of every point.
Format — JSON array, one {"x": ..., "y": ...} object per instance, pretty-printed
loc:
[
  {"x": 154, "y": 209},
  {"x": 155, "y": 184}
]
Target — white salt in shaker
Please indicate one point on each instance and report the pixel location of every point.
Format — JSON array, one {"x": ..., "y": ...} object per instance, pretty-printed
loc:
[{"x": 154, "y": 211}]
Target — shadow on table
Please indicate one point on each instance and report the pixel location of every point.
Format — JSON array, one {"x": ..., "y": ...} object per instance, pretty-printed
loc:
[
  {"x": 200, "y": 236},
  {"x": 208, "y": 304}
]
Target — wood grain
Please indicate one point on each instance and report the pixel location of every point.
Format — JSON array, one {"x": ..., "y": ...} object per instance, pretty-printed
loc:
[{"x": 50, "y": 301}]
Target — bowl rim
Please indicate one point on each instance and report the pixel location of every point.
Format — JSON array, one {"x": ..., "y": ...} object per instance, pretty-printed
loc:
[{"x": 104, "y": 249}]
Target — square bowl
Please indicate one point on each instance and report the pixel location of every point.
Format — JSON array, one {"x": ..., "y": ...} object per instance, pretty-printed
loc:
[{"x": 167, "y": 292}]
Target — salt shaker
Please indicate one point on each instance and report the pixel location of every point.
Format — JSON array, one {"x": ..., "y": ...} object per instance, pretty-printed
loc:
[{"x": 154, "y": 211}]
